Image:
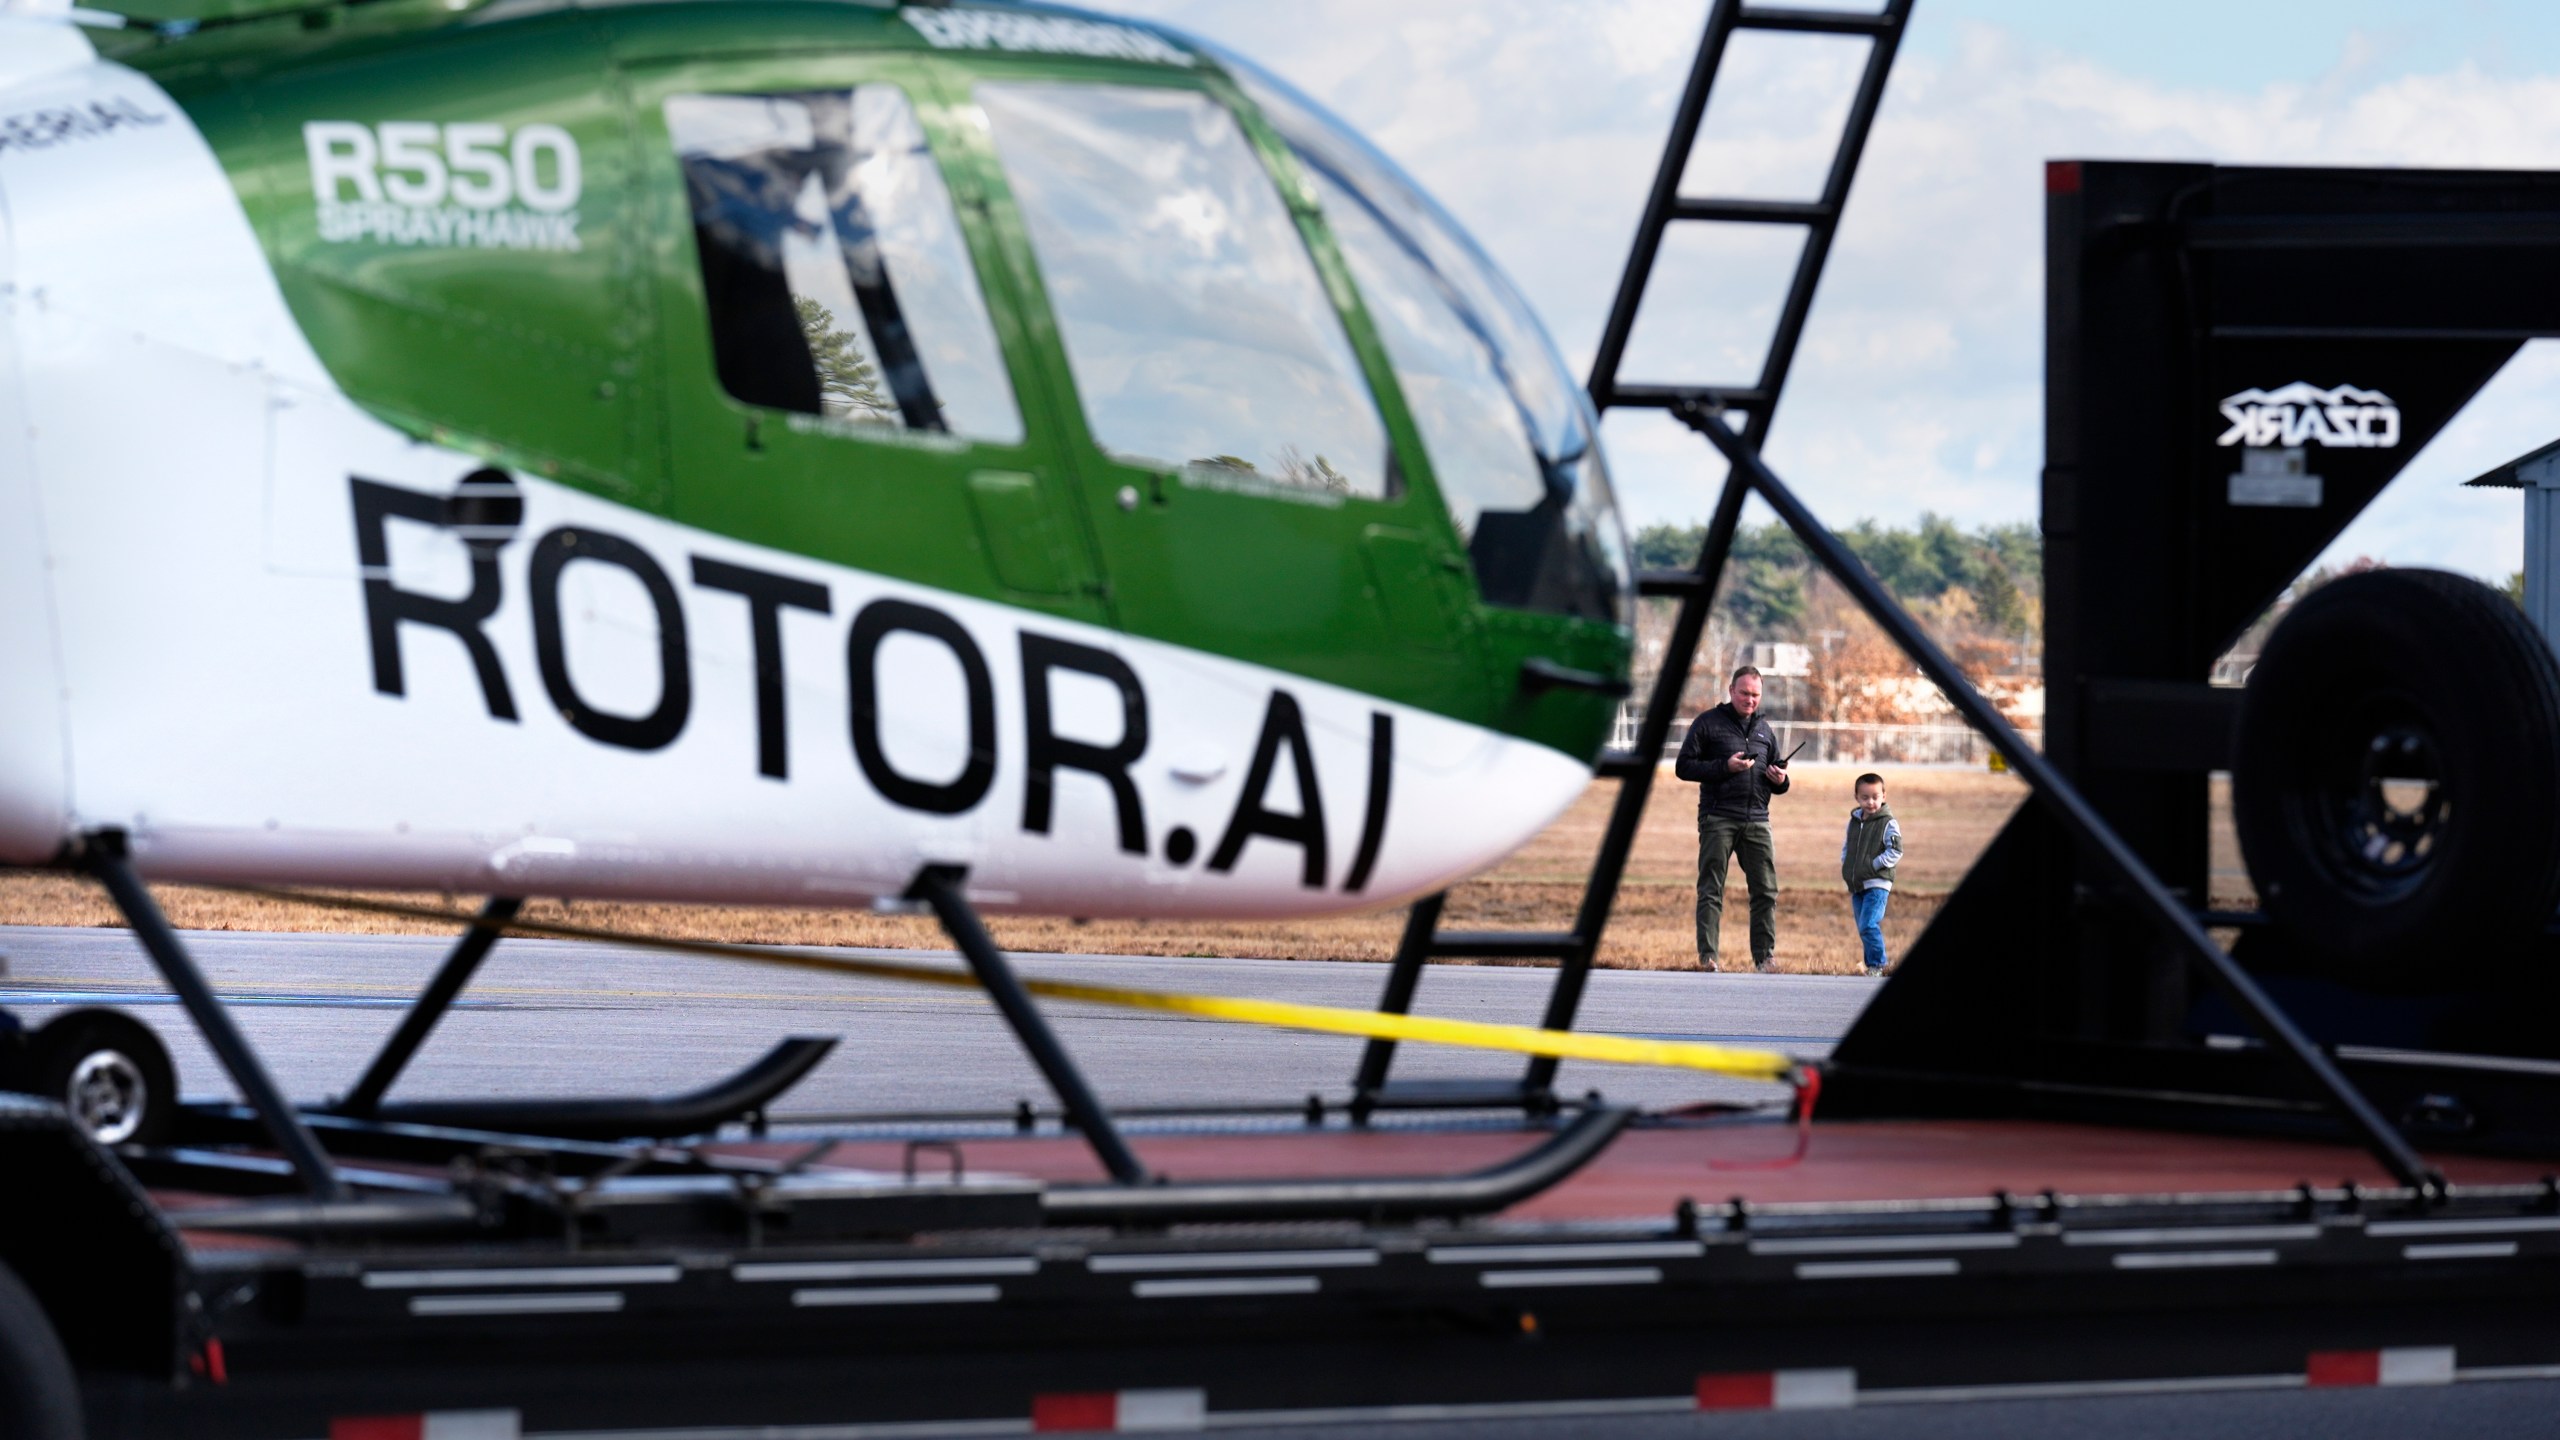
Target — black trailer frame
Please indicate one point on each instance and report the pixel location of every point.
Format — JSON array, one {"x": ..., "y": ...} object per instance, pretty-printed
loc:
[{"x": 1082, "y": 1327}]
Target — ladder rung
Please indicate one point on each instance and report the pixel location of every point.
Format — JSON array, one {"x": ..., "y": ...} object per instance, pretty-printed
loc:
[
  {"x": 1664, "y": 397},
  {"x": 1666, "y": 582},
  {"x": 1752, "y": 212},
  {"x": 1455, "y": 1095},
  {"x": 1619, "y": 764},
  {"x": 1506, "y": 944},
  {"x": 1817, "y": 22}
]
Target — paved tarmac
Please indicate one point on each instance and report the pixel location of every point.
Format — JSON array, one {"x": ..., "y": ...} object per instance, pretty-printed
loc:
[
  {"x": 563, "y": 1017},
  {"x": 558, "y": 1017}
]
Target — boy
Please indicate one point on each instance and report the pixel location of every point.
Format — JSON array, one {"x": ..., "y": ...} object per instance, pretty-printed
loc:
[{"x": 1867, "y": 857}]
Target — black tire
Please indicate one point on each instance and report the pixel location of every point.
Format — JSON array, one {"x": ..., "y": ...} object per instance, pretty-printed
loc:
[
  {"x": 110, "y": 1072},
  {"x": 2397, "y": 782},
  {"x": 39, "y": 1395}
]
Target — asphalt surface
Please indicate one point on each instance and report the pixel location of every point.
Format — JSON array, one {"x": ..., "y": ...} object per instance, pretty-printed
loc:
[
  {"x": 563, "y": 1017},
  {"x": 567, "y": 1017},
  {"x": 2502, "y": 1408}
]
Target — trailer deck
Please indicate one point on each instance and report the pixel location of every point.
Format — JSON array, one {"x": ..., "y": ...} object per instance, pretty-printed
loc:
[
  {"x": 1656, "y": 1164},
  {"x": 1896, "y": 1259}
]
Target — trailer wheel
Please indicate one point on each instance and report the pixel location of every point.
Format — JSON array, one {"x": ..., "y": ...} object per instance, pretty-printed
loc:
[
  {"x": 110, "y": 1072},
  {"x": 39, "y": 1397},
  {"x": 2397, "y": 782}
]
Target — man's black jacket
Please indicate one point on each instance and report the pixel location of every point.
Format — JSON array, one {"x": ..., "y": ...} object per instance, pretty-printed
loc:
[{"x": 1713, "y": 738}]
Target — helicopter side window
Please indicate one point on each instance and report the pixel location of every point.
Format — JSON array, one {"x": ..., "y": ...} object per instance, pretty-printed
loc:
[
  {"x": 1199, "y": 334},
  {"x": 834, "y": 268}
]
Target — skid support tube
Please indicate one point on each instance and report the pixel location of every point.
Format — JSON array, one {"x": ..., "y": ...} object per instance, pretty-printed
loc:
[
  {"x": 437, "y": 998},
  {"x": 1350, "y": 1198},
  {"x": 104, "y": 857},
  {"x": 2091, "y": 829},
  {"x": 938, "y": 886}
]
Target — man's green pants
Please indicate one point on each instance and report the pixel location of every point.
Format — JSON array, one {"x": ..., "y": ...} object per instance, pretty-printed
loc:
[{"x": 1722, "y": 839}]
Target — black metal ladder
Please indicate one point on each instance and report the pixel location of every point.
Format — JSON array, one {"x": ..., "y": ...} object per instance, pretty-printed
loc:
[{"x": 1634, "y": 768}]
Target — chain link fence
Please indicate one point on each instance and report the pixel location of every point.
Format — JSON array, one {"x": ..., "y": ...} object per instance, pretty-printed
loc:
[{"x": 1828, "y": 742}]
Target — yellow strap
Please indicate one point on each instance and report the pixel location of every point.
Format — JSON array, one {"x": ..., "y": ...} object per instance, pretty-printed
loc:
[
  {"x": 1472, "y": 1034},
  {"x": 1333, "y": 1020}
]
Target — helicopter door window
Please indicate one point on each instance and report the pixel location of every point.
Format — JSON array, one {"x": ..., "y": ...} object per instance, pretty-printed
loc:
[
  {"x": 833, "y": 266},
  {"x": 1200, "y": 337}
]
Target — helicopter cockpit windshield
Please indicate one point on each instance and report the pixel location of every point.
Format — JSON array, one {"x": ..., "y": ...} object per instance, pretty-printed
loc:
[
  {"x": 1511, "y": 436},
  {"x": 1198, "y": 330}
]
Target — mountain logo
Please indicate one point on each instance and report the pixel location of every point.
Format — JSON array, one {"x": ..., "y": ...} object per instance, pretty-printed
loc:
[{"x": 2300, "y": 414}]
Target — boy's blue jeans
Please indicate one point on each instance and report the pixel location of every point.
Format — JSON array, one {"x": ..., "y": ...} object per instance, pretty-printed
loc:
[{"x": 1869, "y": 906}]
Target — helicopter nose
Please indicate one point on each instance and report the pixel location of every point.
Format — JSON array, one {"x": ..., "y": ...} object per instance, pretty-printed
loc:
[{"x": 1452, "y": 821}]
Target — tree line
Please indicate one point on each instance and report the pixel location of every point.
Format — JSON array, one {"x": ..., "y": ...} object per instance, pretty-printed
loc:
[
  {"x": 1769, "y": 586},
  {"x": 1980, "y": 592}
]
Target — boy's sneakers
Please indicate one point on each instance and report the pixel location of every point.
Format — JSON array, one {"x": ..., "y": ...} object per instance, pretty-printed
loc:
[
  {"x": 1765, "y": 967},
  {"x": 1872, "y": 972}
]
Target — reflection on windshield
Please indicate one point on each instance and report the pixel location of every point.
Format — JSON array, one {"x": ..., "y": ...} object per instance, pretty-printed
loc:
[
  {"x": 1199, "y": 333},
  {"x": 1509, "y": 432},
  {"x": 1472, "y": 422},
  {"x": 834, "y": 268}
]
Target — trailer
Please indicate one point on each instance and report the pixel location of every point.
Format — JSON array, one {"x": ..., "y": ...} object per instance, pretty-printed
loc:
[{"x": 2075, "y": 1146}]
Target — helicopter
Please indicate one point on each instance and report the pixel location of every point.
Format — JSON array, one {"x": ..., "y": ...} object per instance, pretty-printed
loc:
[{"x": 747, "y": 451}]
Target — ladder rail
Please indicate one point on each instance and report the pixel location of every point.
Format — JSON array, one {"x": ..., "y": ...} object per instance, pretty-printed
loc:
[
  {"x": 1685, "y": 122},
  {"x": 1818, "y": 234},
  {"x": 1637, "y": 768},
  {"x": 1635, "y": 790}
]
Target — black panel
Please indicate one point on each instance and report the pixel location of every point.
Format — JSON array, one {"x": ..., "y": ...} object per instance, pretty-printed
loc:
[{"x": 2160, "y": 725}]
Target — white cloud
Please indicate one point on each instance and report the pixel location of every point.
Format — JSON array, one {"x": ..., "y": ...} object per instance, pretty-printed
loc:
[{"x": 1919, "y": 385}]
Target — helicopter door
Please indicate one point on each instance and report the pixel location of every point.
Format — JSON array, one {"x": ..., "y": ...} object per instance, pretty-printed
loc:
[
  {"x": 837, "y": 386},
  {"x": 1242, "y": 484}
]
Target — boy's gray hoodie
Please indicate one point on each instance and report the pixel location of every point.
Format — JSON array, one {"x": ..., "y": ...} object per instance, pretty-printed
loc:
[{"x": 1871, "y": 849}]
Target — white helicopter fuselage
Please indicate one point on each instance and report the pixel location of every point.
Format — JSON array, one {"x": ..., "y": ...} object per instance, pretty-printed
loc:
[{"x": 190, "y": 652}]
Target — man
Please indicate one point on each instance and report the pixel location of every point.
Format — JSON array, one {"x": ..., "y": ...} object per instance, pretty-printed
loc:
[{"x": 1732, "y": 756}]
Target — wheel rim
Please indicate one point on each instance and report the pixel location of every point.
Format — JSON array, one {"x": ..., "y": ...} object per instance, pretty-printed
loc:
[
  {"x": 108, "y": 1096},
  {"x": 2376, "y": 806}
]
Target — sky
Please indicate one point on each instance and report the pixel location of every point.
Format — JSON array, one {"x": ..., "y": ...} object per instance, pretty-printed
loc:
[{"x": 1919, "y": 384}]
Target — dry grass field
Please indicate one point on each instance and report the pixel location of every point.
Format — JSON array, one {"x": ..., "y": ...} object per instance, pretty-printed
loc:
[{"x": 1947, "y": 818}]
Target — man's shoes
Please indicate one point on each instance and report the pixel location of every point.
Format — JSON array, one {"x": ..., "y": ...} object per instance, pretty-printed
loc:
[
  {"x": 1709, "y": 966},
  {"x": 1765, "y": 967},
  {"x": 1872, "y": 972}
]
